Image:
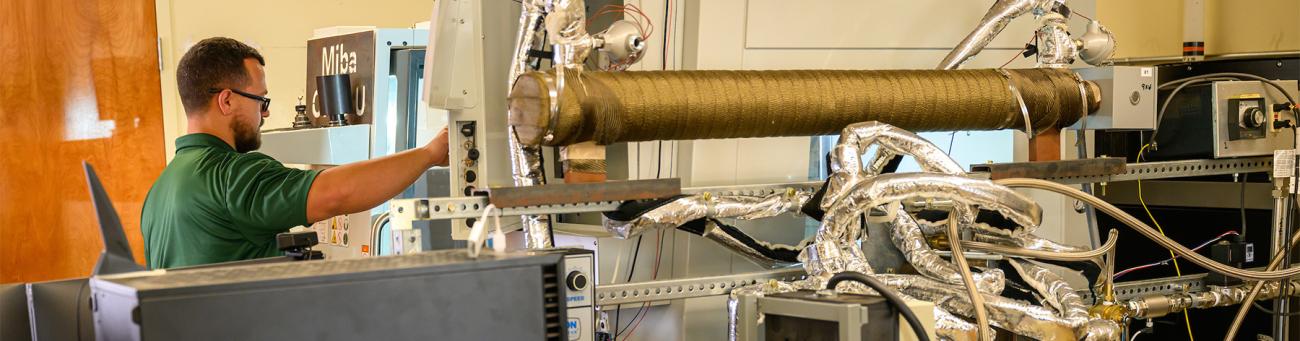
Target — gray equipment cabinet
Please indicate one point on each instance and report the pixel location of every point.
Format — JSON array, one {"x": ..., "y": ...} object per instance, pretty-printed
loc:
[{"x": 442, "y": 295}]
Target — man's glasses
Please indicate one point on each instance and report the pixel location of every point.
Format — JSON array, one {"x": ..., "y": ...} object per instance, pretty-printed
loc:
[{"x": 266, "y": 102}]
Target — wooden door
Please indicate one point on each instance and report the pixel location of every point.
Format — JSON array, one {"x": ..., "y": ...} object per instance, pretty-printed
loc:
[{"x": 78, "y": 81}]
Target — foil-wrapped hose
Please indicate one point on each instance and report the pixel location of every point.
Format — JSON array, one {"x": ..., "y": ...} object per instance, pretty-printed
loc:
[
  {"x": 610, "y": 107},
  {"x": 1032, "y": 242},
  {"x": 680, "y": 211},
  {"x": 907, "y": 237},
  {"x": 824, "y": 259},
  {"x": 528, "y": 18},
  {"x": 525, "y": 160},
  {"x": 988, "y": 28},
  {"x": 688, "y": 208},
  {"x": 1056, "y": 49},
  {"x": 952, "y": 327},
  {"x": 1019, "y": 317},
  {"x": 760, "y": 252},
  {"x": 892, "y": 188},
  {"x": 1060, "y": 296},
  {"x": 856, "y": 139}
]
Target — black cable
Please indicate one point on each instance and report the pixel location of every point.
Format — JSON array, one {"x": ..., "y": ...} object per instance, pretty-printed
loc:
[
  {"x": 951, "y": 138},
  {"x": 664, "y": 58},
  {"x": 618, "y": 309},
  {"x": 886, "y": 292},
  {"x": 659, "y": 159},
  {"x": 1206, "y": 78},
  {"x": 1244, "y": 177},
  {"x": 659, "y": 162}
]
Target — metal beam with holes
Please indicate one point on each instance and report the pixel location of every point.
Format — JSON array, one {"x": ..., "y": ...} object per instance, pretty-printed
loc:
[
  {"x": 1155, "y": 286},
  {"x": 472, "y": 207},
  {"x": 1177, "y": 169},
  {"x": 652, "y": 291}
]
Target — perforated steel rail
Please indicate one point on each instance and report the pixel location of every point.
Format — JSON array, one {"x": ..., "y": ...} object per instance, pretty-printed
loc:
[
  {"x": 638, "y": 292},
  {"x": 1157, "y": 286},
  {"x": 1178, "y": 169},
  {"x": 472, "y": 207}
]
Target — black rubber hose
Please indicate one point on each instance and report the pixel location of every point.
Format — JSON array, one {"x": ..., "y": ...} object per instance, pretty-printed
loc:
[{"x": 888, "y": 293}]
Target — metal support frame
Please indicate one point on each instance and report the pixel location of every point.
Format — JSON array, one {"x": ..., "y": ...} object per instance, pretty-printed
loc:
[
  {"x": 1177, "y": 169},
  {"x": 472, "y": 207},
  {"x": 650, "y": 291},
  {"x": 405, "y": 211},
  {"x": 1157, "y": 286}
]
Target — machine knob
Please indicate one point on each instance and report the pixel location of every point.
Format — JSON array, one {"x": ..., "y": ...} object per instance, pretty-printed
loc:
[
  {"x": 576, "y": 281},
  {"x": 1252, "y": 117}
]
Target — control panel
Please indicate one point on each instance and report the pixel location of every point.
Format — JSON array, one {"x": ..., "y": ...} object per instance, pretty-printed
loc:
[
  {"x": 1128, "y": 98},
  {"x": 579, "y": 295},
  {"x": 1250, "y": 120},
  {"x": 466, "y": 179},
  {"x": 1245, "y": 122}
]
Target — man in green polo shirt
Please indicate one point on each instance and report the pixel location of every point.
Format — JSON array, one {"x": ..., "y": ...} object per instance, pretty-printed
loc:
[{"x": 218, "y": 201}]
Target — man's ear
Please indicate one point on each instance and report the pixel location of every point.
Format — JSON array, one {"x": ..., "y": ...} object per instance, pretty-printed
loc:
[{"x": 224, "y": 105}]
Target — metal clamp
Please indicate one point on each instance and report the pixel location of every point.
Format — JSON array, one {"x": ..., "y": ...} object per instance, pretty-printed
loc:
[
  {"x": 553, "y": 94},
  {"x": 1083, "y": 98},
  {"x": 1024, "y": 110}
]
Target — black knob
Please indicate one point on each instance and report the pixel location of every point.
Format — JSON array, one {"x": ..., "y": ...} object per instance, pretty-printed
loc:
[
  {"x": 1252, "y": 117},
  {"x": 469, "y": 191},
  {"x": 472, "y": 154},
  {"x": 470, "y": 176},
  {"x": 576, "y": 281},
  {"x": 467, "y": 129}
]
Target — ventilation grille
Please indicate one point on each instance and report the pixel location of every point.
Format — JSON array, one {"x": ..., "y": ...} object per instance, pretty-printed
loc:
[{"x": 551, "y": 298}]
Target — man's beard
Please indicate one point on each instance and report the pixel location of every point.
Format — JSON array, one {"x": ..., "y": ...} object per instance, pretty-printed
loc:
[{"x": 247, "y": 137}]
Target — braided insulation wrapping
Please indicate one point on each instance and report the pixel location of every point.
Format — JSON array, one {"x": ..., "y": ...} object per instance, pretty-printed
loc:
[
  {"x": 585, "y": 165},
  {"x": 609, "y": 107}
]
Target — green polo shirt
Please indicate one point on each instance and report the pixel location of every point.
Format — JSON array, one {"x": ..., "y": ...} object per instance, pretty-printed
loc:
[{"x": 212, "y": 204}]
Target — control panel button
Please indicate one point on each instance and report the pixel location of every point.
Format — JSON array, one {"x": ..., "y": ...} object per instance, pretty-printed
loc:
[
  {"x": 576, "y": 280},
  {"x": 1252, "y": 117}
]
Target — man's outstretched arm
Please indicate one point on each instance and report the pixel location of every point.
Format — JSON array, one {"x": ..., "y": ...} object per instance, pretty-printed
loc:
[{"x": 360, "y": 186}]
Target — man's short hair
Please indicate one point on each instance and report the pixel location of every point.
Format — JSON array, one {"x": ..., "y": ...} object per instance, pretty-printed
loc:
[{"x": 212, "y": 63}]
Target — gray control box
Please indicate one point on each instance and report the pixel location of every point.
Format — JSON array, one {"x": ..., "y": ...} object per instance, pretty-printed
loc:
[
  {"x": 579, "y": 295},
  {"x": 1243, "y": 118},
  {"x": 1128, "y": 98}
]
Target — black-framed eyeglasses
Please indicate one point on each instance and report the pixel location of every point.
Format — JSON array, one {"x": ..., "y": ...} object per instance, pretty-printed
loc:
[{"x": 266, "y": 102}]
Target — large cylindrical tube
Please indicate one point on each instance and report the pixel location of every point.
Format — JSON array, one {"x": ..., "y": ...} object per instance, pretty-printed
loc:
[{"x": 609, "y": 107}]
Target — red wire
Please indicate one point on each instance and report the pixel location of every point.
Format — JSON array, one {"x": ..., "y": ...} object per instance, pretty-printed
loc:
[
  {"x": 654, "y": 274},
  {"x": 1013, "y": 57},
  {"x": 1140, "y": 267},
  {"x": 1081, "y": 15}
]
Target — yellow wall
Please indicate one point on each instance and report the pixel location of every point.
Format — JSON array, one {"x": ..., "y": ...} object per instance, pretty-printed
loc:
[
  {"x": 1154, "y": 28},
  {"x": 279, "y": 29}
]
